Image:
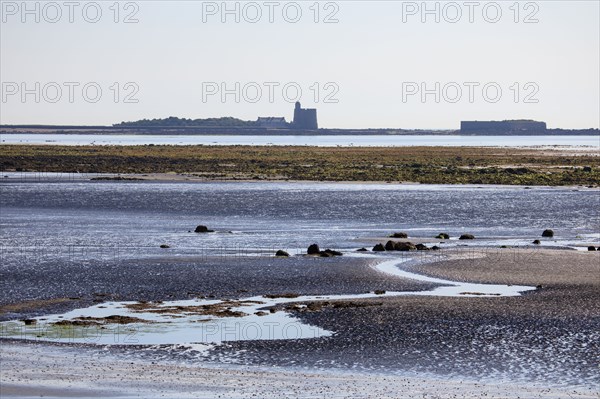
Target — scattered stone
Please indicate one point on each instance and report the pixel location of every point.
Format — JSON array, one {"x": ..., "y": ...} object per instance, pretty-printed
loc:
[
  {"x": 331, "y": 252},
  {"x": 587, "y": 168},
  {"x": 435, "y": 248},
  {"x": 548, "y": 233},
  {"x": 203, "y": 229},
  {"x": 591, "y": 248},
  {"x": 261, "y": 313},
  {"x": 399, "y": 235},
  {"x": 362, "y": 250},
  {"x": 29, "y": 322},
  {"x": 378, "y": 248},
  {"x": 281, "y": 253},
  {"x": 165, "y": 246},
  {"x": 422, "y": 247},
  {"x": 313, "y": 249},
  {"x": 537, "y": 242},
  {"x": 443, "y": 236},
  {"x": 379, "y": 292},
  {"x": 539, "y": 287},
  {"x": 466, "y": 237}
]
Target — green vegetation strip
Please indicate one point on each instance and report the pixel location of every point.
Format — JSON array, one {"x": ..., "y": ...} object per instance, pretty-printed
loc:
[{"x": 450, "y": 165}]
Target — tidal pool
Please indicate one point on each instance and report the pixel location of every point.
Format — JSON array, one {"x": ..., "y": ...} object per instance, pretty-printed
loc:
[{"x": 202, "y": 321}]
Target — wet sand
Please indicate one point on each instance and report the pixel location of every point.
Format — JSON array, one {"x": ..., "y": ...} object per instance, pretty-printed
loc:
[
  {"x": 68, "y": 372},
  {"x": 542, "y": 344}
]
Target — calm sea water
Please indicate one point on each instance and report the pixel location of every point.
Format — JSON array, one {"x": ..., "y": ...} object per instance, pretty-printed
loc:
[
  {"x": 142, "y": 215},
  {"x": 324, "y": 141}
]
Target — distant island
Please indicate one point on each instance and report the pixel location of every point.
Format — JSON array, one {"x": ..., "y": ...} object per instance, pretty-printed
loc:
[
  {"x": 304, "y": 123},
  {"x": 173, "y": 121}
]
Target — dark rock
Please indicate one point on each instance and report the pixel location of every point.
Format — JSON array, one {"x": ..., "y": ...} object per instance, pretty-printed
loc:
[
  {"x": 443, "y": 236},
  {"x": 282, "y": 253},
  {"x": 591, "y": 248},
  {"x": 422, "y": 247},
  {"x": 548, "y": 233},
  {"x": 29, "y": 322},
  {"x": 313, "y": 249},
  {"x": 390, "y": 246},
  {"x": 379, "y": 292},
  {"x": 324, "y": 254},
  {"x": 435, "y": 248},
  {"x": 165, "y": 246},
  {"x": 405, "y": 246},
  {"x": 466, "y": 237},
  {"x": 378, "y": 248},
  {"x": 399, "y": 235},
  {"x": 537, "y": 242},
  {"x": 587, "y": 168},
  {"x": 333, "y": 253},
  {"x": 203, "y": 229},
  {"x": 362, "y": 250}
]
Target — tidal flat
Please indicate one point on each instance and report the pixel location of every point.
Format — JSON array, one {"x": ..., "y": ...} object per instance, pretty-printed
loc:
[
  {"x": 72, "y": 245},
  {"x": 426, "y": 165}
]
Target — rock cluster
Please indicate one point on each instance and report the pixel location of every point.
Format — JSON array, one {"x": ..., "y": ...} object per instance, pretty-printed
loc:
[
  {"x": 400, "y": 246},
  {"x": 315, "y": 250}
]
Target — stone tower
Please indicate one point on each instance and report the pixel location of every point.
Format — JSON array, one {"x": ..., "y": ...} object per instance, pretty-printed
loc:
[{"x": 305, "y": 118}]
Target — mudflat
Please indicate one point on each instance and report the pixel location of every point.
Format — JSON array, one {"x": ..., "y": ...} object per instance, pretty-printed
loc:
[{"x": 408, "y": 346}]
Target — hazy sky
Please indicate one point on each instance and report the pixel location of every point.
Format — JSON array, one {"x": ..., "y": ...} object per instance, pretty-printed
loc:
[{"x": 360, "y": 63}]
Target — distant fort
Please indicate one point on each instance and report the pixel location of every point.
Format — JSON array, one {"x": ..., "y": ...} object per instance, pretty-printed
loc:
[
  {"x": 304, "y": 123},
  {"x": 503, "y": 127},
  {"x": 304, "y": 119}
]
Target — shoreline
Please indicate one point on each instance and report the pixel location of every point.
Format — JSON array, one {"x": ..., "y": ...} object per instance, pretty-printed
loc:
[{"x": 42, "y": 176}]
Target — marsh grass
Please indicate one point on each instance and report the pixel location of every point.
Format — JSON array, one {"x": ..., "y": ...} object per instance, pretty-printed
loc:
[{"x": 435, "y": 165}]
